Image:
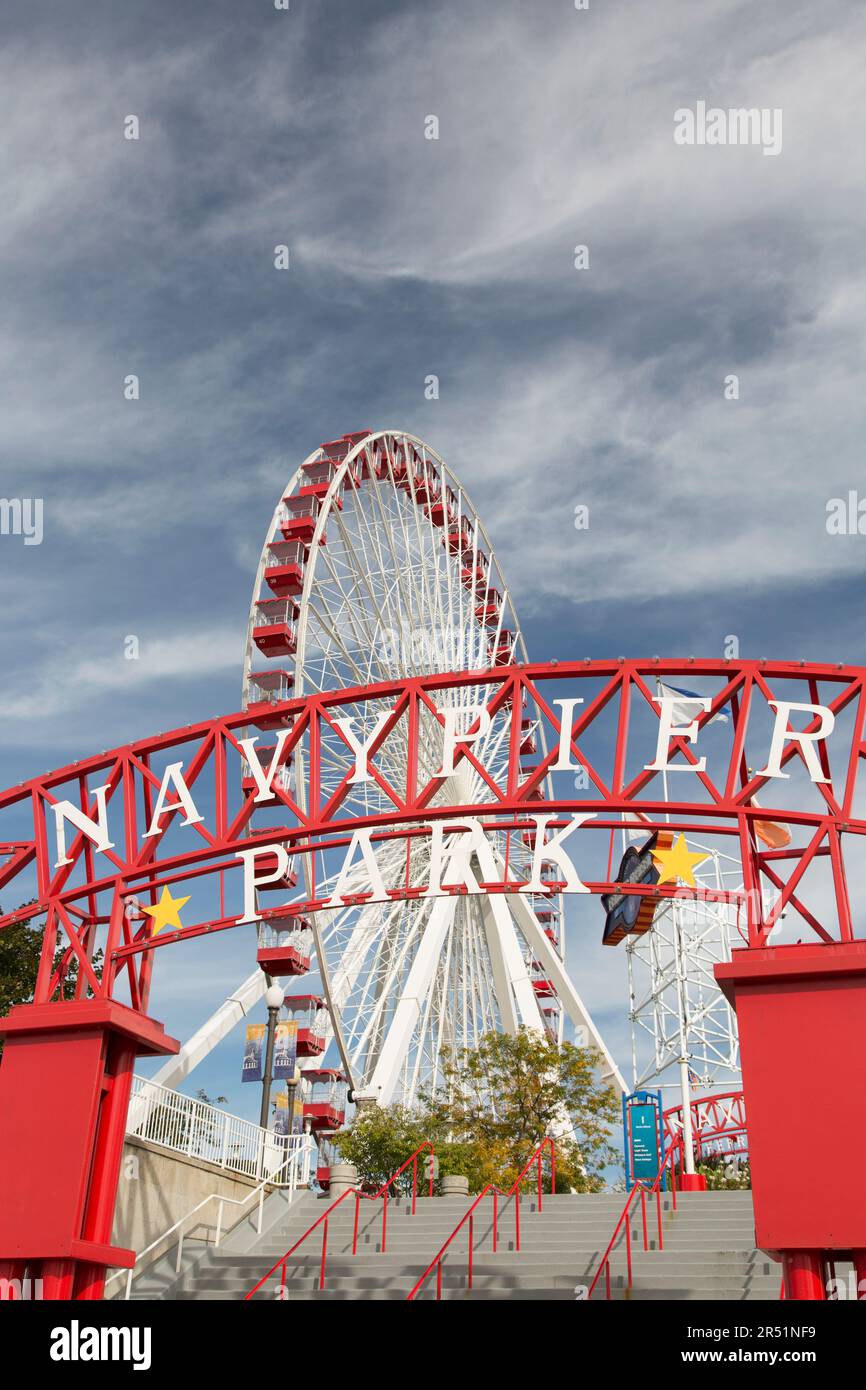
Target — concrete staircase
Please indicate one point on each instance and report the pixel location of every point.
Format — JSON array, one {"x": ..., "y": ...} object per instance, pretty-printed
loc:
[{"x": 708, "y": 1253}]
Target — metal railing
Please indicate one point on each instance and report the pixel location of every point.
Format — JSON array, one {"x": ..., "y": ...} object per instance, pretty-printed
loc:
[
  {"x": 293, "y": 1173},
  {"x": 359, "y": 1197},
  {"x": 199, "y": 1130},
  {"x": 295, "y": 938},
  {"x": 641, "y": 1190},
  {"x": 491, "y": 1190}
]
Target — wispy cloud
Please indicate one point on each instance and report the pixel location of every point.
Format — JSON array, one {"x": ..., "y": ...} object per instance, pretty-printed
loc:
[
  {"x": 411, "y": 257},
  {"x": 69, "y": 680}
]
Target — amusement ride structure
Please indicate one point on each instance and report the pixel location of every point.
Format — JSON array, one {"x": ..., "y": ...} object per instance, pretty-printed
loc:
[
  {"x": 394, "y": 812},
  {"x": 375, "y": 567}
]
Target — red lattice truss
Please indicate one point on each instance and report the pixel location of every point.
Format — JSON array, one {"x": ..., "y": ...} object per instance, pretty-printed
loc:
[{"x": 717, "y": 800}]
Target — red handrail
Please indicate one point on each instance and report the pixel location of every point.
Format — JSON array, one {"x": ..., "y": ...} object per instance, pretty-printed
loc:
[
  {"x": 496, "y": 1192},
  {"x": 358, "y": 1195},
  {"x": 641, "y": 1188}
]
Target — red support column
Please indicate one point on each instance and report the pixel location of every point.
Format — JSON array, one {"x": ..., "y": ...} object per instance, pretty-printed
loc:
[
  {"x": 801, "y": 1011},
  {"x": 108, "y": 1154},
  {"x": 65, "y": 1083},
  {"x": 692, "y": 1182},
  {"x": 805, "y": 1275},
  {"x": 859, "y": 1258},
  {"x": 58, "y": 1279},
  {"x": 12, "y": 1277}
]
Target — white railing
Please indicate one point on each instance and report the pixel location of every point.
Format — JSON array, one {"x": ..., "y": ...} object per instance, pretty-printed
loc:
[
  {"x": 292, "y": 1173},
  {"x": 199, "y": 1130},
  {"x": 299, "y": 939}
]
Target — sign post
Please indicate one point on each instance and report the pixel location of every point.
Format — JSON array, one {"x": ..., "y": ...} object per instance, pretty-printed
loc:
[{"x": 643, "y": 1137}]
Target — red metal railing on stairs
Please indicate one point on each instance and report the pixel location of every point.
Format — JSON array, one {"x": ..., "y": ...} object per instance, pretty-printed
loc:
[
  {"x": 491, "y": 1189},
  {"x": 640, "y": 1190},
  {"x": 359, "y": 1197}
]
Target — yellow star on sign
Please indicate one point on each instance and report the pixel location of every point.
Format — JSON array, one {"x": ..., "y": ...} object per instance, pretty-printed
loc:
[
  {"x": 678, "y": 862},
  {"x": 166, "y": 913}
]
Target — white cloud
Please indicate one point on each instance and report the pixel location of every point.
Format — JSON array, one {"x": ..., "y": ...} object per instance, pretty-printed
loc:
[{"x": 66, "y": 682}]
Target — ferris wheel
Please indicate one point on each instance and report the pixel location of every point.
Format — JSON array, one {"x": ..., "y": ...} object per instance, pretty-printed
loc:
[{"x": 376, "y": 566}]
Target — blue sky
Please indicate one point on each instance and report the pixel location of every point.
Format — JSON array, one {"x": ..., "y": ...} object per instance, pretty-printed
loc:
[{"x": 410, "y": 257}]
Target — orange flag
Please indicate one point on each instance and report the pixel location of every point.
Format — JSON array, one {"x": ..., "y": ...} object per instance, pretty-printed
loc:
[{"x": 770, "y": 833}]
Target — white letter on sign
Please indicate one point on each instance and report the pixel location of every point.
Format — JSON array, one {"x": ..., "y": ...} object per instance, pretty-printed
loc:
[
  {"x": 563, "y": 760},
  {"x": 97, "y": 830},
  {"x": 454, "y": 717},
  {"x": 553, "y": 853},
  {"x": 361, "y": 750},
  {"x": 456, "y": 857},
  {"x": 667, "y": 730},
  {"x": 263, "y": 780},
  {"x": 781, "y": 734},
  {"x": 252, "y": 881},
  {"x": 350, "y": 881},
  {"x": 173, "y": 777}
]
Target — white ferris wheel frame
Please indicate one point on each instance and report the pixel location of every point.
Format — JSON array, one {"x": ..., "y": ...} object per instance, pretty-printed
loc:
[{"x": 498, "y": 915}]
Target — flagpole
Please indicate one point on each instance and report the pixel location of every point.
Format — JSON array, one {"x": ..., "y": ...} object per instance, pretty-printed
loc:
[
  {"x": 688, "y": 1141},
  {"x": 685, "y": 1085}
]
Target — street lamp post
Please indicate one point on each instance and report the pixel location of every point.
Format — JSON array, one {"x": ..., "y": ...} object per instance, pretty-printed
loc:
[
  {"x": 291, "y": 1092},
  {"x": 274, "y": 997}
]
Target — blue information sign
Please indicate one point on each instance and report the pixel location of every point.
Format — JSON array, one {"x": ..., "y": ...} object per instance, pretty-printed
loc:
[
  {"x": 644, "y": 1142},
  {"x": 642, "y": 1134}
]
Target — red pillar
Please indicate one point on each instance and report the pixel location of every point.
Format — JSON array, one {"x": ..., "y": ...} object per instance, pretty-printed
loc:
[
  {"x": 801, "y": 1012},
  {"x": 859, "y": 1258},
  {"x": 12, "y": 1277},
  {"x": 65, "y": 1083},
  {"x": 805, "y": 1275}
]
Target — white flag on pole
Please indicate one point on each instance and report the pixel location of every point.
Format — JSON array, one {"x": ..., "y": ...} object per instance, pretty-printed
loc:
[{"x": 687, "y": 706}]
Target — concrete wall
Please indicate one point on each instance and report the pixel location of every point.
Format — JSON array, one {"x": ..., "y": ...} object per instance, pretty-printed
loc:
[{"x": 158, "y": 1186}]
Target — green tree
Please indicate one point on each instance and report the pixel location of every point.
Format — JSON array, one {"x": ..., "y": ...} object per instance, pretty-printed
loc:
[
  {"x": 495, "y": 1104},
  {"x": 20, "y": 950},
  {"x": 379, "y": 1141},
  {"x": 513, "y": 1090},
  {"x": 203, "y": 1096}
]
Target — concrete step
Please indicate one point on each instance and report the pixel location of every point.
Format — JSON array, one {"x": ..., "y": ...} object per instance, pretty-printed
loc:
[
  {"x": 662, "y": 1259},
  {"x": 497, "y": 1293},
  {"x": 405, "y": 1279},
  {"x": 574, "y": 1289},
  {"x": 529, "y": 1230},
  {"x": 708, "y": 1252},
  {"x": 506, "y": 1223},
  {"x": 553, "y": 1273}
]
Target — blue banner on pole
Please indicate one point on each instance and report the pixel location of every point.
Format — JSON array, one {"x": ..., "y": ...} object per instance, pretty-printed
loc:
[
  {"x": 285, "y": 1050},
  {"x": 252, "y": 1069},
  {"x": 281, "y": 1115}
]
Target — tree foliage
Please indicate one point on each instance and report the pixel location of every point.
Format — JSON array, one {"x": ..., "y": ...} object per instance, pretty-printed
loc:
[
  {"x": 513, "y": 1090},
  {"x": 494, "y": 1105},
  {"x": 379, "y": 1141},
  {"x": 20, "y": 950}
]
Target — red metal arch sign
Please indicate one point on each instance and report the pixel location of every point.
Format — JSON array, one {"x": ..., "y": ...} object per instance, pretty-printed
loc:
[{"x": 621, "y": 744}]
